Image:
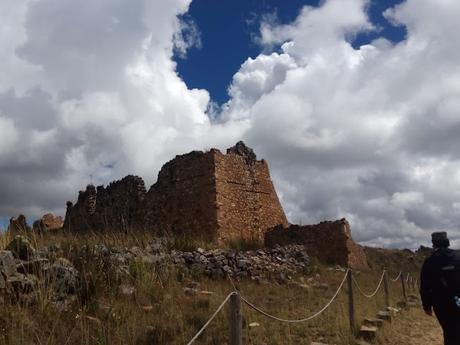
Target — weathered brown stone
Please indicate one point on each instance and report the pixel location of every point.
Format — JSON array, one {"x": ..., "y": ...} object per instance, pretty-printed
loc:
[
  {"x": 18, "y": 225},
  {"x": 329, "y": 241},
  {"x": 208, "y": 195},
  {"x": 215, "y": 196},
  {"x": 119, "y": 207},
  {"x": 48, "y": 222}
]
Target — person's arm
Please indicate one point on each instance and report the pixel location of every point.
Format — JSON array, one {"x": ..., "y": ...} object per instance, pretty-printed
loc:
[{"x": 426, "y": 290}]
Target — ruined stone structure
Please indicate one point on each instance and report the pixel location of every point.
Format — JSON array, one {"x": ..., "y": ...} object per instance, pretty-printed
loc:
[
  {"x": 48, "y": 222},
  {"x": 329, "y": 241},
  {"x": 118, "y": 207},
  {"x": 18, "y": 225},
  {"x": 207, "y": 195}
]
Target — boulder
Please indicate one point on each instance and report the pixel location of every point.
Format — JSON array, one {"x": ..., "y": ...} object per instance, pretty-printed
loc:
[
  {"x": 65, "y": 277},
  {"x": 22, "y": 283},
  {"x": 34, "y": 266},
  {"x": 21, "y": 247},
  {"x": 7, "y": 263}
]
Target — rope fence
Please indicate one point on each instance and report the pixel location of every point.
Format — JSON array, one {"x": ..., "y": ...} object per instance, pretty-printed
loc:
[
  {"x": 299, "y": 320},
  {"x": 236, "y": 300},
  {"x": 397, "y": 277},
  {"x": 376, "y": 289}
]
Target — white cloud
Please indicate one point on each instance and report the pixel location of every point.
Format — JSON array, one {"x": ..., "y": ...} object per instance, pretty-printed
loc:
[
  {"x": 366, "y": 133},
  {"x": 369, "y": 133}
]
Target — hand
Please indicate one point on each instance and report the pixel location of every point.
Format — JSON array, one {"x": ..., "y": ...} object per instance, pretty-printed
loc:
[{"x": 428, "y": 312}]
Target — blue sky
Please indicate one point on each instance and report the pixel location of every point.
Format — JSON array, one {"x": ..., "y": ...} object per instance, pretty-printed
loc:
[
  {"x": 353, "y": 103},
  {"x": 228, "y": 29},
  {"x": 3, "y": 223}
]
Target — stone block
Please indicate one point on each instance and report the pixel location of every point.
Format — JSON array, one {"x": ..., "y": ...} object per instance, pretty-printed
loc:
[{"x": 367, "y": 332}]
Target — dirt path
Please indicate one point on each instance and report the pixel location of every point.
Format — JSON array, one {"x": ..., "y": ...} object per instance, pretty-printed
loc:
[{"x": 414, "y": 328}]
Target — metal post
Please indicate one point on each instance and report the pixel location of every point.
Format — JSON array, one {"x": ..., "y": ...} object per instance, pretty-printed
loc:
[
  {"x": 351, "y": 305},
  {"x": 385, "y": 287},
  {"x": 403, "y": 285},
  {"x": 236, "y": 320}
]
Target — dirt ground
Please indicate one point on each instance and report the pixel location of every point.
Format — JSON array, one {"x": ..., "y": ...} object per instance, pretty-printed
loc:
[{"x": 414, "y": 328}]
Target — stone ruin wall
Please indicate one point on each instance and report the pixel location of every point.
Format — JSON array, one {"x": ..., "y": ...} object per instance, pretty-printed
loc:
[
  {"x": 119, "y": 207},
  {"x": 206, "y": 195},
  {"x": 247, "y": 204},
  {"x": 329, "y": 241},
  {"x": 182, "y": 201}
]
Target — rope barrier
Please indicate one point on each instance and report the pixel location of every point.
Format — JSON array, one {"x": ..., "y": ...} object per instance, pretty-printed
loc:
[
  {"x": 396, "y": 279},
  {"x": 211, "y": 318},
  {"x": 298, "y": 320},
  {"x": 407, "y": 278},
  {"x": 376, "y": 289},
  {"x": 319, "y": 312}
]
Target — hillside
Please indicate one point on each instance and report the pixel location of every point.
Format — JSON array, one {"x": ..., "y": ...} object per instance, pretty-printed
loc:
[{"x": 128, "y": 291}]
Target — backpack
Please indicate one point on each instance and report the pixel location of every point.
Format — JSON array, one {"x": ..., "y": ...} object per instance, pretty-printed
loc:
[{"x": 450, "y": 278}]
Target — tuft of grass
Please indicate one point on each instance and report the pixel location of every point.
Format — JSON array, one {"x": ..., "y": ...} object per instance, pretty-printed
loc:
[{"x": 245, "y": 244}]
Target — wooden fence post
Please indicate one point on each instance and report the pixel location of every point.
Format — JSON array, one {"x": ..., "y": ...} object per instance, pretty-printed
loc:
[
  {"x": 385, "y": 287},
  {"x": 351, "y": 305},
  {"x": 236, "y": 320},
  {"x": 403, "y": 285}
]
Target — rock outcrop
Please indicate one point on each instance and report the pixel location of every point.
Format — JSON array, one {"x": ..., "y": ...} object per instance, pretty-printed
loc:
[
  {"x": 207, "y": 195},
  {"x": 48, "y": 222},
  {"x": 329, "y": 241},
  {"x": 18, "y": 225},
  {"x": 22, "y": 266}
]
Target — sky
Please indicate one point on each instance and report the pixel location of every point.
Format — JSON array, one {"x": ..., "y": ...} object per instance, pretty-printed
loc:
[{"x": 354, "y": 103}]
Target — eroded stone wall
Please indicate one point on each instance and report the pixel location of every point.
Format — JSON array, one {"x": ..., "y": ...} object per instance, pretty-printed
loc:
[
  {"x": 207, "y": 195},
  {"x": 48, "y": 222},
  {"x": 119, "y": 207},
  {"x": 247, "y": 204},
  {"x": 18, "y": 225},
  {"x": 182, "y": 201},
  {"x": 329, "y": 241}
]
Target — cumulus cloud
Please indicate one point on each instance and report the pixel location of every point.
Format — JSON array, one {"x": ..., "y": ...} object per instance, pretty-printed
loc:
[{"x": 368, "y": 133}]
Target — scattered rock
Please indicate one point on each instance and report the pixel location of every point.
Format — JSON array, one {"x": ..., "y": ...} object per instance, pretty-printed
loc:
[
  {"x": 65, "y": 278},
  {"x": 7, "y": 263},
  {"x": 21, "y": 247},
  {"x": 22, "y": 283}
]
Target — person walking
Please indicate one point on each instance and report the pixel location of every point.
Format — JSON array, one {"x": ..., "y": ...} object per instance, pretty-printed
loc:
[{"x": 440, "y": 287}]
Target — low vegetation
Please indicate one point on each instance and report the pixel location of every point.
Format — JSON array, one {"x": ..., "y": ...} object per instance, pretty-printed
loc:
[{"x": 151, "y": 303}]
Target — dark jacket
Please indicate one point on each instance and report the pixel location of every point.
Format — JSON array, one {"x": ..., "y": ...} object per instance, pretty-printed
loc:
[{"x": 440, "y": 278}]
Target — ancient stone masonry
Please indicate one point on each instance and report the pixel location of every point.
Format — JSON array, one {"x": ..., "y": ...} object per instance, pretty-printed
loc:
[
  {"x": 118, "y": 207},
  {"x": 215, "y": 196},
  {"x": 18, "y": 225},
  {"x": 208, "y": 195},
  {"x": 48, "y": 223},
  {"x": 181, "y": 202},
  {"x": 329, "y": 241},
  {"x": 246, "y": 201}
]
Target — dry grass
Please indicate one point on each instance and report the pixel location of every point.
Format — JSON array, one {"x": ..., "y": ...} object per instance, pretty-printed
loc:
[{"x": 159, "y": 312}]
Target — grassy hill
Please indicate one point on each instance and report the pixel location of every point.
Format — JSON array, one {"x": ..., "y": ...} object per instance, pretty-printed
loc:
[{"x": 159, "y": 303}]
